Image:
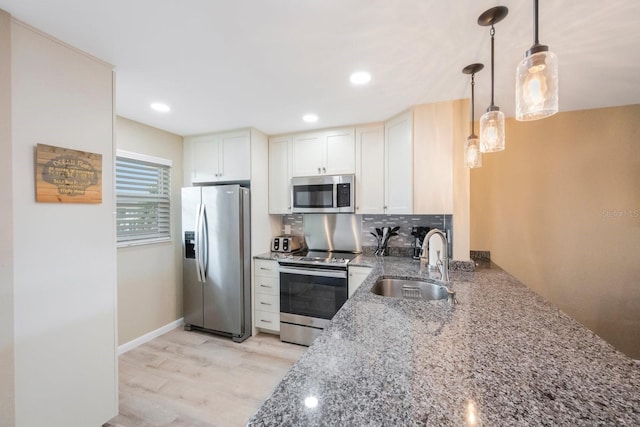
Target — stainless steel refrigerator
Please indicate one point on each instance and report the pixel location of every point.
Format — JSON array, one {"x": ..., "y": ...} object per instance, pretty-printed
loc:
[{"x": 217, "y": 260}]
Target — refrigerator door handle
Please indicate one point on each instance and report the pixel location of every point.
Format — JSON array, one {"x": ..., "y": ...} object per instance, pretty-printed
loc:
[
  {"x": 198, "y": 245},
  {"x": 205, "y": 244}
]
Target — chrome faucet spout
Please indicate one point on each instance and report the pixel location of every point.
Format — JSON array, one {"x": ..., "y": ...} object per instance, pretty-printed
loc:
[{"x": 424, "y": 253}]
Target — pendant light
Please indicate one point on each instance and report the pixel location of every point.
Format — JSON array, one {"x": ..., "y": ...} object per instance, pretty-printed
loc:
[
  {"x": 492, "y": 122},
  {"x": 537, "y": 80},
  {"x": 472, "y": 154}
]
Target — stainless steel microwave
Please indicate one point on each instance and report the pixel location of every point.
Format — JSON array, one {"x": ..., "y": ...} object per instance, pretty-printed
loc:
[{"x": 323, "y": 194}]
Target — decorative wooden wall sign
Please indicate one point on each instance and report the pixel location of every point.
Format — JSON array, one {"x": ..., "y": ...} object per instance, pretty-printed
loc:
[{"x": 67, "y": 176}]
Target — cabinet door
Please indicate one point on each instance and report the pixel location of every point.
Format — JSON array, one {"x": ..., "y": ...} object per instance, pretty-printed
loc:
[
  {"x": 370, "y": 170},
  {"x": 235, "y": 156},
  {"x": 339, "y": 152},
  {"x": 280, "y": 175},
  {"x": 307, "y": 154},
  {"x": 398, "y": 151},
  {"x": 206, "y": 158},
  {"x": 357, "y": 275},
  {"x": 433, "y": 126}
]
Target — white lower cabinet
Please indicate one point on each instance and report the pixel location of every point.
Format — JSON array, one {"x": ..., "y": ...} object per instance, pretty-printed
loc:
[
  {"x": 267, "y": 296},
  {"x": 357, "y": 275}
]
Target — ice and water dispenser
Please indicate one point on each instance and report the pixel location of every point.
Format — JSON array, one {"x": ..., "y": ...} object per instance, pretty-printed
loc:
[{"x": 190, "y": 244}]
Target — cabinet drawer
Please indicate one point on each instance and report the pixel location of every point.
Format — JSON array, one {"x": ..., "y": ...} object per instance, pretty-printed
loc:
[
  {"x": 268, "y": 285},
  {"x": 267, "y": 302},
  {"x": 266, "y": 268},
  {"x": 267, "y": 320}
]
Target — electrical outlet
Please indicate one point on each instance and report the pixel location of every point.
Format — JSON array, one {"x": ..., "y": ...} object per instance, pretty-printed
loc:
[{"x": 287, "y": 229}]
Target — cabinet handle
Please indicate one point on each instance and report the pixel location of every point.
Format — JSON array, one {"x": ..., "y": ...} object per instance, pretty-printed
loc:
[
  {"x": 324, "y": 170},
  {"x": 385, "y": 207},
  {"x": 264, "y": 268},
  {"x": 266, "y": 321},
  {"x": 357, "y": 208},
  {"x": 265, "y": 286},
  {"x": 264, "y": 303},
  {"x": 318, "y": 170}
]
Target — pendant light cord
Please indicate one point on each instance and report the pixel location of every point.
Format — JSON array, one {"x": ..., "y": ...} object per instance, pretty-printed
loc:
[
  {"x": 535, "y": 23},
  {"x": 493, "y": 32},
  {"x": 473, "y": 82}
]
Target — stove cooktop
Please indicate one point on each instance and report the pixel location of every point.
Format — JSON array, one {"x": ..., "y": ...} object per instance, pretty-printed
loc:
[{"x": 318, "y": 258}]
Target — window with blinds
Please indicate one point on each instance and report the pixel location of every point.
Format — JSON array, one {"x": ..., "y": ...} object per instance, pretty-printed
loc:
[{"x": 143, "y": 199}]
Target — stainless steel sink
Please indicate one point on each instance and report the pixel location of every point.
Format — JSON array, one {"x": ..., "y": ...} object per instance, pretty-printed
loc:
[{"x": 412, "y": 289}]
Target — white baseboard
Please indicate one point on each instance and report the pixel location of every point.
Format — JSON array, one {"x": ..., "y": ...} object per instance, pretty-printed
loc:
[{"x": 148, "y": 337}]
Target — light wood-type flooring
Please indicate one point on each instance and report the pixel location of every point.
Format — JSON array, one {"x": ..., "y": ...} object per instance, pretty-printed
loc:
[{"x": 196, "y": 379}]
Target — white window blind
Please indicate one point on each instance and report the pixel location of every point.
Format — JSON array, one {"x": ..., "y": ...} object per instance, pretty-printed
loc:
[{"x": 143, "y": 199}]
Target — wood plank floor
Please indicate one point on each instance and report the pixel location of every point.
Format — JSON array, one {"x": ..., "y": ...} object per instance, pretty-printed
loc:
[{"x": 196, "y": 379}]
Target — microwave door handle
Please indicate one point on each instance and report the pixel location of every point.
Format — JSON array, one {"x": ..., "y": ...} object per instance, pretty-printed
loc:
[{"x": 320, "y": 273}]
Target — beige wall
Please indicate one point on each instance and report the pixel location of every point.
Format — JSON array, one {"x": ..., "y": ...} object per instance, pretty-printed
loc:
[
  {"x": 64, "y": 257},
  {"x": 150, "y": 276},
  {"x": 7, "y": 400},
  {"x": 560, "y": 210}
]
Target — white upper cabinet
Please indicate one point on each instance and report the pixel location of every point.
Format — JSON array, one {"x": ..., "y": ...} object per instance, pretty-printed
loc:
[
  {"x": 206, "y": 158},
  {"x": 236, "y": 156},
  {"x": 307, "y": 154},
  {"x": 398, "y": 171},
  {"x": 280, "y": 175},
  {"x": 329, "y": 152},
  {"x": 370, "y": 169},
  {"x": 340, "y": 152},
  {"x": 404, "y": 166},
  {"x": 218, "y": 157}
]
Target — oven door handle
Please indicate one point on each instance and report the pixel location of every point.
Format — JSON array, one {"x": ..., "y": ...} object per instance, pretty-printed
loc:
[{"x": 310, "y": 272}]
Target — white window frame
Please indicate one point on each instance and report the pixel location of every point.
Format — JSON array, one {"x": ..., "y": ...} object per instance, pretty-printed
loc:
[{"x": 121, "y": 196}]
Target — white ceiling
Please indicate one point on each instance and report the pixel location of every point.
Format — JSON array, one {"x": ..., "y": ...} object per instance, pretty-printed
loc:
[{"x": 225, "y": 64}]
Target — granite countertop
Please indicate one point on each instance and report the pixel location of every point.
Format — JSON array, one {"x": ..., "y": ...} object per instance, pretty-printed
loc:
[{"x": 502, "y": 356}]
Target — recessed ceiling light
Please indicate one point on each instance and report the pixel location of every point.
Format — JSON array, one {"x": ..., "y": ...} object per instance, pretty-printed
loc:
[
  {"x": 360, "y": 78},
  {"x": 310, "y": 118},
  {"x": 159, "y": 106}
]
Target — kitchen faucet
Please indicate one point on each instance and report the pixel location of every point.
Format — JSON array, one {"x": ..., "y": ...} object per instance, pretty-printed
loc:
[{"x": 443, "y": 266}]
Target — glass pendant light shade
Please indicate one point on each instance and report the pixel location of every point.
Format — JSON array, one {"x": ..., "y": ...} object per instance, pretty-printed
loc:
[
  {"x": 537, "y": 86},
  {"x": 492, "y": 122},
  {"x": 492, "y": 131},
  {"x": 537, "y": 79},
  {"x": 472, "y": 154}
]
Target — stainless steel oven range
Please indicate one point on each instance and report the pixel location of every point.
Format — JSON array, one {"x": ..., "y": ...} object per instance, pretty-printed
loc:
[{"x": 313, "y": 287}]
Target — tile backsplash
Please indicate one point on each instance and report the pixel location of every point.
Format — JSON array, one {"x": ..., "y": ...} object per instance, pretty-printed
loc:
[{"x": 371, "y": 222}]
